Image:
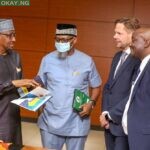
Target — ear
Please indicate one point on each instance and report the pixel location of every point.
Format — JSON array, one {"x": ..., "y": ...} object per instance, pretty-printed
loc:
[
  {"x": 75, "y": 40},
  {"x": 147, "y": 43}
]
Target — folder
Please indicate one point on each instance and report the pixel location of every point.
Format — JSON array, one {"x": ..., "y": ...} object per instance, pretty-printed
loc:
[
  {"x": 80, "y": 98},
  {"x": 34, "y": 99}
]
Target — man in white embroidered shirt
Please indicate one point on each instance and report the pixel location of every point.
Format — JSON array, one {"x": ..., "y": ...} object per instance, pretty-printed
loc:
[{"x": 134, "y": 111}]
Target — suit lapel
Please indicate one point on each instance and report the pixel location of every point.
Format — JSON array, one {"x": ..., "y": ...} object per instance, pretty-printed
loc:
[
  {"x": 125, "y": 64},
  {"x": 114, "y": 66},
  {"x": 138, "y": 81}
]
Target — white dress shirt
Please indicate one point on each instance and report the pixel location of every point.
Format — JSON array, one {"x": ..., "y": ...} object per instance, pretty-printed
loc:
[{"x": 124, "y": 118}]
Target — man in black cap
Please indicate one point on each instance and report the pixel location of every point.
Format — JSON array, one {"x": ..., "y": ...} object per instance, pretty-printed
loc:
[
  {"x": 69, "y": 31},
  {"x": 10, "y": 75},
  {"x": 62, "y": 71}
]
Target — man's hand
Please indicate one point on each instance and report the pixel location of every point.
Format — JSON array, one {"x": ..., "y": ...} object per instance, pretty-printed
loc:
[
  {"x": 86, "y": 109},
  {"x": 104, "y": 123},
  {"x": 25, "y": 82}
]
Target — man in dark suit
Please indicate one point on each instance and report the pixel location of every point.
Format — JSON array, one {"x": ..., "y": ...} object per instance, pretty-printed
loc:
[
  {"x": 134, "y": 111},
  {"x": 119, "y": 81}
]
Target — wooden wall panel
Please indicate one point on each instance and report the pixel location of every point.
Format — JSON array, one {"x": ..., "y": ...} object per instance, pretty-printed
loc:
[
  {"x": 103, "y": 66},
  {"x": 93, "y": 37},
  {"x": 37, "y": 8},
  {"x": 31, "y": 33},
  {"x": 105, "y": 10},
  {"x": 28, "y": 114},
  {"x": 142, "y": 8},
  {"x": 31, "y": 62}
]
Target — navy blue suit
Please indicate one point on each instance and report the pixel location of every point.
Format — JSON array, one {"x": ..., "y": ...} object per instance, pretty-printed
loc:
[
  {"x": 138, "y": 113},
  {"x": 115, "y": 90}
]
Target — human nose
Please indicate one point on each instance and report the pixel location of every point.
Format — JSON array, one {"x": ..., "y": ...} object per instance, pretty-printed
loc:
[
  {"x": 115, "y": 36},
  {"x": 13, "y": 38}
]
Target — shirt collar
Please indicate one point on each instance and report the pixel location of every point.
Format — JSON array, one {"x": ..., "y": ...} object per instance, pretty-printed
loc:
[
  {"x": 128, "y": 51},
  {"x": 144, "y": 62}
]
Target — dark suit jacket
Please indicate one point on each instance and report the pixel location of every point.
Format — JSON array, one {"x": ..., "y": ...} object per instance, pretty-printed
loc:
[
  {"x": 115, "y": 90},
  {"x": 10, "y": 118},
  {"x": 138, "y": 113}
]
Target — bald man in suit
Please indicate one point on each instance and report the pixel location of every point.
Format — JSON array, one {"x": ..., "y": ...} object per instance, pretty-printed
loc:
[{"x": 134, "y": 111}]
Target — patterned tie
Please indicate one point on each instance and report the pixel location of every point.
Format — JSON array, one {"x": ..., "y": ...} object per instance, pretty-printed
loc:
[{"x": 122, "y": 60}]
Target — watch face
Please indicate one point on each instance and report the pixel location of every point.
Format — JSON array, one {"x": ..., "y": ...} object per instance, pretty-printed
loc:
[{"x": 93, "y": 102}]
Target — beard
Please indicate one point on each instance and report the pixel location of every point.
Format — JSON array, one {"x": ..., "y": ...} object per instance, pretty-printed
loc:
[
  {"x": 62, "y": 55},
  {"x": 11, "y": 46},
  {"x": 122, "y": 45}
]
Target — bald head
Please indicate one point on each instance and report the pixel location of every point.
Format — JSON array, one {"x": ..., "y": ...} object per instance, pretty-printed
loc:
[
  {"x": 141, "y": 42},
  {"x": 144, "y": 32}
]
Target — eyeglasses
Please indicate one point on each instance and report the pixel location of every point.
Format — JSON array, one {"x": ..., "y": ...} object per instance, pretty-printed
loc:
[
  {"x": 9, "y": 35},
  {"x": 63, "y": 40}
]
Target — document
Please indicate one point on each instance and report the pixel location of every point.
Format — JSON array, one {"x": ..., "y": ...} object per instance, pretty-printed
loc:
[{"x": 34, "y": 99}]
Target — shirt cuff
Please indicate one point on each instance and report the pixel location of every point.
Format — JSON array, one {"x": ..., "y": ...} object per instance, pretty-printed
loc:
[
  {"x": 106, "y": 113},
  {"x": 8, "y": 86}
]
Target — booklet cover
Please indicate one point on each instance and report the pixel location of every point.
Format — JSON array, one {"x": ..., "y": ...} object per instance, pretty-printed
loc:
[
  {"x": 34, "y": 99},
  {"x": 80, "y": 98}
]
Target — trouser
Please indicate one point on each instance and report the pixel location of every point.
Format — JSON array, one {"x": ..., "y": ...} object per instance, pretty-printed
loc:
[
  {"x": 56, "y": 142},
  {"x": 11, "y": 134},
  {"x": 115, "y": 142}
]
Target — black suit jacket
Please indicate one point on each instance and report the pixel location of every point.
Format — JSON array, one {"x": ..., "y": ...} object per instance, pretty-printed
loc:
[{"x": 115, "y": 90}]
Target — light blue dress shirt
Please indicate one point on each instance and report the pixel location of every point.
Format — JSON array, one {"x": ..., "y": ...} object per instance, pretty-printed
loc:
[{"x": 61, "y": 77}]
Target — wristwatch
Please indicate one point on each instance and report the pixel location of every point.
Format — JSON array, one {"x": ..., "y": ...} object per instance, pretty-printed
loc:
[{"x": 93, "y": 102}]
